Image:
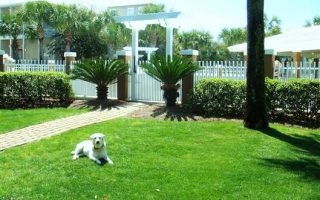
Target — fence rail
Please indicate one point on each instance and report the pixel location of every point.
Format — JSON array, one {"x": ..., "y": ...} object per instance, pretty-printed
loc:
[
  {"x": 36, "y": 66},
  {"x": 290, "y": 70}
]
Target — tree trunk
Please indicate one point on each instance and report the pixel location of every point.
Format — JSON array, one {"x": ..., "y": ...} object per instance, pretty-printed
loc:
[
  {"x": 41, "y": 48},
  {"x": 170, "y": 94},
  {"x": 102, "y": 92},
  {"x": 256, "y": 112},
  {"x": 15, "y": 48}
]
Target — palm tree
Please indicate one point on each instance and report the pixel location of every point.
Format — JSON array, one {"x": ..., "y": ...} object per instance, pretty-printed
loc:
[
  {"x": 256, "y": 112},
  {"x": 11, "y": 25},
  {"x": 169, "y": 73},
  {"x": 67, "y": 19},
  {"x": 37, "y": 15},
  {"x": 100, "y": 72}
]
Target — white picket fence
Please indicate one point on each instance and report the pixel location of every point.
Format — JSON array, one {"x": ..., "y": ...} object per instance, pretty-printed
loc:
[
  {"x": 291, "y": 70},
  {"x": 142, "y": 87},
  {"x": 36, "y": 65}
]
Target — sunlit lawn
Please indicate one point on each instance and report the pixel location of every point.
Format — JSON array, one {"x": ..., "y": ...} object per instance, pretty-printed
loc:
[
  {"x": 20, "y": 118},
  {"x": 168, "y": 160}
]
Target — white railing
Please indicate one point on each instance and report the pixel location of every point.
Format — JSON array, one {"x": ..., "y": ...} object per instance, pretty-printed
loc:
[
  {"x": 36, "y": 66},
  {"x": 290, "y": 70},
  {"x": 221, "y": 69},
  {"x": 88, "y": 90}
]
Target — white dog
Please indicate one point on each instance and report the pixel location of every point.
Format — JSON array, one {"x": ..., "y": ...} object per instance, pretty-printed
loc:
[{"x": 95, "y": 149}]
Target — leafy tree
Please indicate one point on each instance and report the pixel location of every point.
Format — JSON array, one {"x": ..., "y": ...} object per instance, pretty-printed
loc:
[
  {"x": 67, "y": 19},
  {"x": 37, "y": 15},
  {"x": 199, "y": 40},
  {"x": 169, "y": 73},
  {"x": 272, "y": 27},
  {"x": 233, "y": 36},
  {"x": 154, "y": 35},
  {"x": 315, "y": 22},
  {"x": 100, "y": 72},
  {"x": 256, "y": 112},
  {"x": 11, "y": 25}
]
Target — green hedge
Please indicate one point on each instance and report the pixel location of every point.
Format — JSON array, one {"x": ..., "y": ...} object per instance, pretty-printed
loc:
[
  {"x": 296, "y": 101},
  {"x": 31, "y": 89}
]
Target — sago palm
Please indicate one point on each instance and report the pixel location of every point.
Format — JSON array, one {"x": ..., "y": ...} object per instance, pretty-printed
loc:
[
  {"x": 169, "y": 73},
  {"x": 100, "y": 72}
]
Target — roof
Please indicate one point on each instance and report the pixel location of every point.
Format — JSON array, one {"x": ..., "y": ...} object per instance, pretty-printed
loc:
[{"x": 303, "y": 39}]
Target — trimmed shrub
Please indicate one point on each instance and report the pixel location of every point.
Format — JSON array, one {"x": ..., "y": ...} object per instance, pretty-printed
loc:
[
  {"x": 31, "y": 89},
  {"x": 295, "y": 101}
]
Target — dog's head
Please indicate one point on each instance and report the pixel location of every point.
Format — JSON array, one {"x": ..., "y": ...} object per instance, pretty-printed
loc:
[{"x": 97, "y": 140}]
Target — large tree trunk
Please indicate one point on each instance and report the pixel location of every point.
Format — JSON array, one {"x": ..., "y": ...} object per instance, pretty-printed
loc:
[
  {"x": 256, "y": 112},
  {"x": 15, "y": 49},
  {"x": 102, "y": 92},
  {"x": 41, "y": 48}
]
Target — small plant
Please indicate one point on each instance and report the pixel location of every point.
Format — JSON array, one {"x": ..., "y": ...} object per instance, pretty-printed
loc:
[
  {"x": 169, "y": 73},
  {"x": 100, "y": 72}
]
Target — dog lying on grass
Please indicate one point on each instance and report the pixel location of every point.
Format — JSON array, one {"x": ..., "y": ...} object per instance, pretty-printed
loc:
[{"x": 95, "y": 149}]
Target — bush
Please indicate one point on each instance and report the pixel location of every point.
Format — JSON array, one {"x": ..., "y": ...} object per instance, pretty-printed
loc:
[
  {"x": 296, "y": 101},
  {"x": 31, "y": 89}
]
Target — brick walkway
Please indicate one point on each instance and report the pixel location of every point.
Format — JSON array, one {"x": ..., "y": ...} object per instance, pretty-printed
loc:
[{"x": 47, "y": 129}]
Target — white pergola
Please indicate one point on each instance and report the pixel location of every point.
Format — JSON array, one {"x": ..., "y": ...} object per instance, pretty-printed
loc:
[
  {"x": 148, "y": 50},
  {"x": 139, "y": 22},
  {"x": 303, "y": 40}
]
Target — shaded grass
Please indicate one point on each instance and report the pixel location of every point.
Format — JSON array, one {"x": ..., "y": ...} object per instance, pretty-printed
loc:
[
  {"x": 20, "y": 118},
  {"x": 168, "y": 160}
]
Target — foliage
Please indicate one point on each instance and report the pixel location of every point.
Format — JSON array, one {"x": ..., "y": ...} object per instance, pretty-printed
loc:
[
  {"x": 36, "y": 15},
  {"x": 12, "y": 25},
  {"x": 154, "y": 35},
  {"x": 29, "y": 89},
  {"x": 100, "y": 72},
  {"x": 295, "y": 101},
  {"x": 168, "y": 160},
  {"x": 67, "y": 19},
  {"x": 232, "y": 36},
  {"x": 272, "y": 27},
  {"x": 315, "y": 22},
  {"x": 169, "y": 72},
  {"x": 198, "y": 40}
]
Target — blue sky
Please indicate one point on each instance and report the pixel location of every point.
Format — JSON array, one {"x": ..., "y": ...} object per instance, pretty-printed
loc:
[{"x": 213, "y": 15}]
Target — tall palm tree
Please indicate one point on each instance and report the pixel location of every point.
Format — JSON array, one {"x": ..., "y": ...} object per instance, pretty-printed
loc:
[
  {"x": 100, "y": 72},
  {"x": 11, "y": 25},
  {"x": 67, "y": 19},
  {"x": 37, "y": 14},
  {"x": 256, "y": 112},
  {"x": 169, "y": 73}
]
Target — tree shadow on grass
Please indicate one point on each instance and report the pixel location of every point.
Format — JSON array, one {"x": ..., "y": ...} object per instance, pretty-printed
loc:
[
  {"x": 306, "y": 144},
  {"x": 307, "y": 167},
  {"x": 176, "y": 113}
]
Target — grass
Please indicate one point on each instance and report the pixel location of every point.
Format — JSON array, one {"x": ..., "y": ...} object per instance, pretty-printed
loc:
[
  {"x": 20, "y": 118},
  {"x": 168, "y": 160}
]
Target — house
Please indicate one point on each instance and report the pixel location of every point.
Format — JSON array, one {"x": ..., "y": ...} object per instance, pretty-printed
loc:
[{"x": 29, "y": 49}]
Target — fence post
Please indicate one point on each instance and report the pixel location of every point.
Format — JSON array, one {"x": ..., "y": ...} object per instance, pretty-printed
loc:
[
  {"x": 1, "y": 61},
  {"x": 122, "y": 84},
  {"x": 69, "y": 57},
  {"x": 296, "y": 55},
  {"x": 269, "y": 59},
  {"x": 187, "y": 82}
]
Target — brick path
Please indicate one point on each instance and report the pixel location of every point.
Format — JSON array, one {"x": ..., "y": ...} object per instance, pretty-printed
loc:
[{"x": 47, "y": 129}]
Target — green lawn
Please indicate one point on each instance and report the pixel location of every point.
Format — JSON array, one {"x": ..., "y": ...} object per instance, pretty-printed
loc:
[
  {"x": 20, "y": 118},
  {"x": 168, "y": 160}
]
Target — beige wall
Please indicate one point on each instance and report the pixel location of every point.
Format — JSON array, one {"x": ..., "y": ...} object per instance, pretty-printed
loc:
[{"x": 31, "y": 49}]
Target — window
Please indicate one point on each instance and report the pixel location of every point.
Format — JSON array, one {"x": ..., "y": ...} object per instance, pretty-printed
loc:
[{"x": 130, "y": 11}]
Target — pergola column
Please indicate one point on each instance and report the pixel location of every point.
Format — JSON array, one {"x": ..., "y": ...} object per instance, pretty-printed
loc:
[
  {"x": 269, "y": 59},
  {"x": 296, "y": 55},
  {"x": 134, "y": 60},
  {"x": 169, "y": 42},
  {"x": 122, "y": 83},
  {"x": 187, "y": 82}
]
